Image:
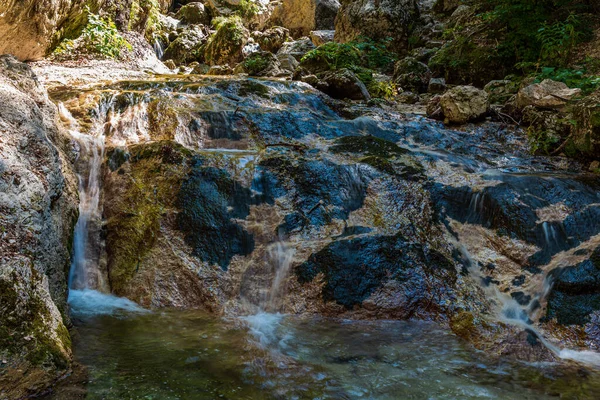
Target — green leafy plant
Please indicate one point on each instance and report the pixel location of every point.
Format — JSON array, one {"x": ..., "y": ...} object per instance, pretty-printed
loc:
[
  {"x": 558, "y": 40},
  {"x": 541, "y": 142},
  {"x": 571, "y": 77},
  {"x": 248, "y": 9},
  {"x": 382, "y": 89}
]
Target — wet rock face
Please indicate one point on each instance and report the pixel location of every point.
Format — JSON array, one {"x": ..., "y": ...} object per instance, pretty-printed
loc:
[
  {"x": 209, "y": 201},
  {"x": 38, "y": 210},
  {"x": 575, "y": 293},
  {"x": 355, "y": 269},
  {"x": 377, "y": 20}
]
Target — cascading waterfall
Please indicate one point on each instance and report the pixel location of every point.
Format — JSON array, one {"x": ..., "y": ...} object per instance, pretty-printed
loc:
[
  {"x": 265, "y": 323},
  {"x": 511, "y": 312},
  {"x": 87, "y": 283}
]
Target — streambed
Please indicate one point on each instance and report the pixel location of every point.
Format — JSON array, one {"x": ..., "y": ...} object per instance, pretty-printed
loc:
[{"x": 135, "y": 354}]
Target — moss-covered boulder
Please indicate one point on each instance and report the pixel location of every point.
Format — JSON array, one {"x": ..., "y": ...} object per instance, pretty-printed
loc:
[
  {"x": 262, "y": 64},
  {"x": 188, "y": 46},
  {"x": 227, "y": 44},
  {"x": 194, "y": 13},
  {"x": 466, "y": 61}
]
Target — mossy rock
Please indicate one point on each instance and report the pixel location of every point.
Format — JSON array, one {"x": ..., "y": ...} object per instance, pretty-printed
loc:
[
  {"x": 367, "y": 145},
  {"x": 462, "y": 61},
  {"x": 225, "y": 46}
]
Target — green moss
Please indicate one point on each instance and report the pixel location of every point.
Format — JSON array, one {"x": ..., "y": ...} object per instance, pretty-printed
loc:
[
  {"x": 157, "y": 170},
  {"x": 368, "y": 145},
  {"x": 24, "y": 321},
  {"x": 379, "y": 163},
  {"x": 254, "y": 64}
]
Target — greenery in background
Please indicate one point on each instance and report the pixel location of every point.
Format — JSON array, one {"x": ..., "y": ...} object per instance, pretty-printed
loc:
[
  {"x": 248, "y": 9},
  {"x": 573, "y": 78},
  {"x": 363, "y": 56},
  {"x": 146, "y": 13},
  {"x": 543, "y": 31},
  {"x": 100, "y": 36}
]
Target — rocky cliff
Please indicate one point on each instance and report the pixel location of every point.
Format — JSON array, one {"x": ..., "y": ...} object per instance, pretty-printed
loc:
[{"x": 38, "y": 210}]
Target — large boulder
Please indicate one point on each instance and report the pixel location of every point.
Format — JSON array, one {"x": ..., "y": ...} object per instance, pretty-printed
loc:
[
  {"x": 303, "y": 16},
  {"x": 227, "y": 45},
  {"x": 194, "y": 13},
  {"x": 343, "y": 84},
  {"x": 187, "y": 47},
  {"x": 412, "y": 75},
  {"x": 464, "y": 103},
  {"x": 272, "y": 39},
  {"x": 378, "y": 20},
  {"x": 38, "y": 211},
  {"x": 547, "y": 94}
]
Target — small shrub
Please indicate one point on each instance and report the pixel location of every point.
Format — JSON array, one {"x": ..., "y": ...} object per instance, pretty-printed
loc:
[
  {"x": 248, "y": 9},
  {"x": 100, "y": 36},
  {"x": 382, "y": 90}
]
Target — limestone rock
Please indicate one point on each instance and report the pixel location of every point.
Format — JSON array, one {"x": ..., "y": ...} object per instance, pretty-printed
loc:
[
  {"x": 38, "y": 211},
  {"x": 436, "y": 85},
  {"x": 220, "y": 70},
  {"x": 298, "y": 48},
  {"x": 547, "y": 94},
  {"x": 29, "y": 28},
  {"x": 464, "y": 103},
  {"x": 272, "y": 39},
  {"x": 303, "y": 16},
  {"x": 287, "y": 63},
  {"x": 186, "y": 47},
  {"x": 321, "y": 37},
  {"x": 194, "y": 13},
  {"x": 378, "y": 20}
]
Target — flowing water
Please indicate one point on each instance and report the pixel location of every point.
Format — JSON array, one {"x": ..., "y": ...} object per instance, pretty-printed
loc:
[{"x": 133, "y": 353}]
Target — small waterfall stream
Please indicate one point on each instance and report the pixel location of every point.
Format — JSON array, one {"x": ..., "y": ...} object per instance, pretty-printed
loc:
[{"x": 88, "y": 286}]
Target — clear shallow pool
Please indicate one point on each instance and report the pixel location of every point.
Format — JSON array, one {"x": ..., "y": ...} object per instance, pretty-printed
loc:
[{"x": 191, "y": 355}]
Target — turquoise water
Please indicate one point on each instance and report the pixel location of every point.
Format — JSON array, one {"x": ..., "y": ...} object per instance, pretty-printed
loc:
[{"x": 132, "y": 354}]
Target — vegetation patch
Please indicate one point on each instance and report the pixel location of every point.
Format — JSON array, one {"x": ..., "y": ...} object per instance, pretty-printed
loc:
[{"x": 99, "y": 37}]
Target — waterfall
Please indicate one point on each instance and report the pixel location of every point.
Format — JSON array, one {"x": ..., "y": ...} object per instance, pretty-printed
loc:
[
  {"x": 511, "y": 312},
  {"x": 87, "y": 282},
  {"x": 265, "y": 324},
  {"x": 282, "y": 255},
  {"x": 85, "y": 272}
]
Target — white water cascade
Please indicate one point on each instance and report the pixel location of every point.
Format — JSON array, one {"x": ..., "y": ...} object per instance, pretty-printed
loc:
[{"x": 88, "y": 286}]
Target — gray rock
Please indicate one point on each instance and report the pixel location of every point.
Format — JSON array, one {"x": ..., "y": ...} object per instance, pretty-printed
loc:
[
  {"x": 547, "y": 94},
  {"x": 38, "y": 211},
  {"x": 186, "y": 48},
  {"x": 378, "y": 20},
  {"x": 297, "y": 48},
  {"x": 321, "y": 37},
  {"x": 436, "y": 85},
  {"x": 343, "y": 84},
  {"x": 464, "y": 103}
]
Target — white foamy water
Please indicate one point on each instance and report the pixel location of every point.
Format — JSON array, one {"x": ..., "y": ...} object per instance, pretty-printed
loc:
[
  {"x": 88, "y": 302},
  {"x": 266, "y": 330}
]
